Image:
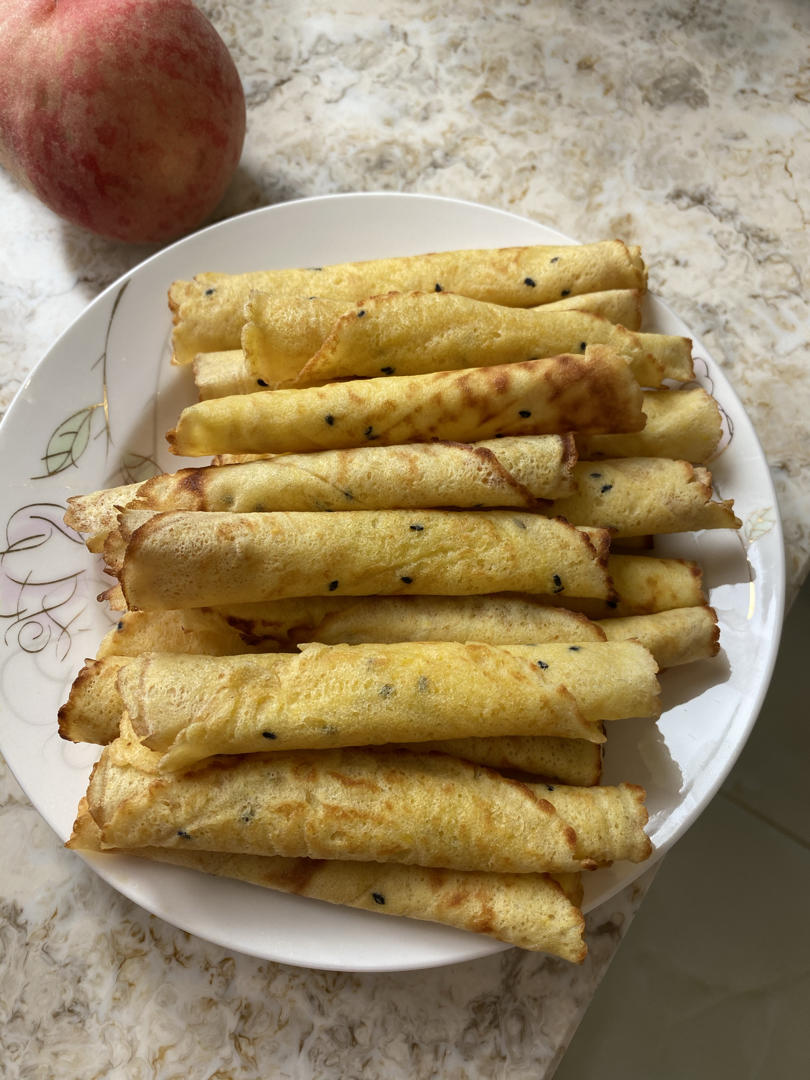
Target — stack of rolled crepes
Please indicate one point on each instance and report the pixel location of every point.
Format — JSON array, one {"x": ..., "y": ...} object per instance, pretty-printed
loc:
[{"x": 369, "y": 654}]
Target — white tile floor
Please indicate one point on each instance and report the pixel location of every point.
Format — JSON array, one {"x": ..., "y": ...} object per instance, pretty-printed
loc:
[{"x": 712, "y": 981}]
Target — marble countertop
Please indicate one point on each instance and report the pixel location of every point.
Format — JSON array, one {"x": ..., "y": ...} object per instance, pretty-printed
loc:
[{"x": 680, "y": 127}]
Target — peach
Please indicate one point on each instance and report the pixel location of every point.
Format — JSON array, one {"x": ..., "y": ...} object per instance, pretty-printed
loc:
[{"x": 126, "y": 117}]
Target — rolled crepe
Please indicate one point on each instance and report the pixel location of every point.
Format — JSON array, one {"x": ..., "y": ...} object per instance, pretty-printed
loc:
[
  {"x": 280, "y": 335},
  {"x": 192, "y": 707},
  {"x": 682, "y": 424},
  {"x": 208, "y": 311},
  {"x": 185, "y": 559},
  {"x": 532, "y": 911},
  {"x": 643, "y": 496},
  {"x": 423, "y": 809},
  {"x": 498, "y": 472},
  {"x": 674, "y": 637},
  {"x": 415, "y": 333},
  {"x": 591, "y": 392},
  {"x": 277, "y": 341},
  {"x": 94, "y": 710}
]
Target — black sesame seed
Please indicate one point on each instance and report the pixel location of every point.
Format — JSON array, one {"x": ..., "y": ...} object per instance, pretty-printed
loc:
[
  {"x": 549, "y": 787},
  {"x": 417, "y": 528},
  {"x": 261, "y": 382},
  {"x": 605, "y": 487},
  {"x": 438, "y": 288},
  {"x": 210, "y": 292},
  {"x": 407, "y": 580},
  {"x": 558, "y": 585},
  {"x": 583, "y": 345},
  {"x": 268, "y": 734},
  {"x": 333, "y": 585},
  {"x": 565, "y": 292},
  {"x": 530, "y": 282},
  {"x": 423, "y": 684},
  {"x": 612, "y": 603},
  {"x": 121, "y": 624},
  {"x": 378, "y": 898},
  {"x": 183, "y": 834},
  {"x": 574, "y": 648},
  {"x": 595, "y": 475},
  {"x": 525, "y": 413},
  {"x": 329, "y": 419},
  {"x": 500, "y": 435},
  {"x": 387, "y": 370},
  {"x": 386, "y": 690},
  {"x": 361, "y": 313},
  {"x": 542, "y": 664},
  {"x": 369, "y": 433},
  {"x": 348, "y": 494},
  {"x": 555, "y": 259},
  {"x": 521, "y": 524}
]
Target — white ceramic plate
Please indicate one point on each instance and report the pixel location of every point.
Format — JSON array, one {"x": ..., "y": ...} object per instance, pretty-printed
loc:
[{"x": 94, "y": 413}]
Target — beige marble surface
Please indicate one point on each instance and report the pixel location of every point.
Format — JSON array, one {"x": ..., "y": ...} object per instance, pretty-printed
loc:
[{"x": 680, "y": 126}]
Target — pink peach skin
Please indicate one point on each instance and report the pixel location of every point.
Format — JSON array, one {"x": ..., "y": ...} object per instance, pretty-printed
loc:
[{"x": 126, "y": 117}]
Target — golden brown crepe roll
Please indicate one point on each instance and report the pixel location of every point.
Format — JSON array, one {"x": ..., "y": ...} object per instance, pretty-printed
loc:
[
  {"x": 674, "y": 637},
  {"x": 94, "y": 711},
  {"x": 643, "y": 496},
  {"x": 280, "y": 334},
  {"x": 185, "y": 559},
  {"x": 498, "y": 472},
  {"x": 394, "y": 806},
  {"x": 192, "y": 707},
  {"x": 591, "y": 392},
  {"x": 682, "y": 424},
  {"x": 208, "y": 311},
  {"x": 531, "y": 911},
  {"x": 415, "y": 333}
]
